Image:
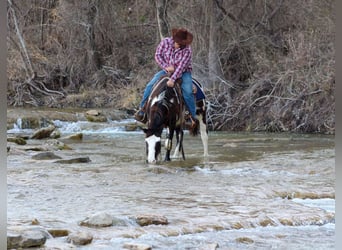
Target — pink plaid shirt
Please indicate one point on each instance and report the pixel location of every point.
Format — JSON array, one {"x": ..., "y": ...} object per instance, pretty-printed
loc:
[{"x": 166, "y": 55}]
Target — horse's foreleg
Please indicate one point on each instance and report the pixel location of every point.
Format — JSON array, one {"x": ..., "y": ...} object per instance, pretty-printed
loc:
[
  {"x": 179, "y": 147},
  {"x": 204, "y": 136},
  {"x": 168, "y": 144}
]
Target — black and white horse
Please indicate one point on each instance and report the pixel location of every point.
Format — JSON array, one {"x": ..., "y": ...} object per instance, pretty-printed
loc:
[{"x": 165, "y": 108}]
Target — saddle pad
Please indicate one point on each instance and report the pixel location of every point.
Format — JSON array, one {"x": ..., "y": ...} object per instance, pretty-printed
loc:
[{"x": 200, "y": 93}]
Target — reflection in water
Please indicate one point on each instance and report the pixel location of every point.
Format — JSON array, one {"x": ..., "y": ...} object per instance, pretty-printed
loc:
[{"x": 254, "y": 191}]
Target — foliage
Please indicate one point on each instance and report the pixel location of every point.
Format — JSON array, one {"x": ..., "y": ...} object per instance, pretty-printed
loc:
[{"x": 274, "y": 67}]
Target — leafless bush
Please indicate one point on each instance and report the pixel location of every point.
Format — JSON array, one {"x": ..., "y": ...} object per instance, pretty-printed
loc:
[{"x": 274, "y": 67}]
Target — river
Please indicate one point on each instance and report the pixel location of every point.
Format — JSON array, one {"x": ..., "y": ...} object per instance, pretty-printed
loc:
[{"x": 254, "y": 191}]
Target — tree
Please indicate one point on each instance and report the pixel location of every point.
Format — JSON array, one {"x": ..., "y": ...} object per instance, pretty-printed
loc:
[{"x": 163, "y": 25}]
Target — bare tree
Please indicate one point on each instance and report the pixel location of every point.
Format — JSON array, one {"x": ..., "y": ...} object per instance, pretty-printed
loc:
[{"x": 163, "y": 25}]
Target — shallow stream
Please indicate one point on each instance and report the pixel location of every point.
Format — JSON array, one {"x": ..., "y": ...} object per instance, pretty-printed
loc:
[{"x": 254, "y": 191}]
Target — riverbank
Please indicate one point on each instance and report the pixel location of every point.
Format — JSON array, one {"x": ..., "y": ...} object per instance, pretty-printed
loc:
[{"x": 34, "y": 118}]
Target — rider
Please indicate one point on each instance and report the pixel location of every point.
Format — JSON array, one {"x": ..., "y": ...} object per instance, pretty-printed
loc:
[{"x": 174, "y": 56}]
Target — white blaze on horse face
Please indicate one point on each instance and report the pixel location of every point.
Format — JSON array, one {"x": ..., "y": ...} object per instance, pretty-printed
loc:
[{"x": 151, "y": 144}]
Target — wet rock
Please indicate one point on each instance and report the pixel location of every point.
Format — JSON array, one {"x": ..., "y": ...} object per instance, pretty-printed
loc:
[
  {"x": 98, "y": 220},
  {"x": 237, "y": 225},
  {"x": 93, "y": 112},
  {"x": 55, "y": 134},
  {"x": 58, "y": 232},
  {"x": 132, "y": 127},
  {"x": 74, "y": 160},
  {"x": 35, "y": 222},
  {"x": 95, "y": 116},
  {"x": 46, "y": 156},
  {"x": 137, "y": 246},
  {"x": 25, "y": 237},
  {"x": 267, "y": 222},
  {"x": 17, "y": 140},
  {"x": 80, "y": 238},
  {"x": 43, "y": 132},
  {"x": 78, "y": 136},
  {"x": 244, "y": 240},
  {"x": 286, "y": 222},
  {"x": 149, "y": 219},
  {"x": 54, "y": 144}
]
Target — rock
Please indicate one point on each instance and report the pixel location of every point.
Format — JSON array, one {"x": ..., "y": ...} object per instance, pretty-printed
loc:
[
  {"x": 35, "y": 222},
  {"x": 93, "y": 112},
  {"x": 98, "y": 220},
  {"x": 136, "y": 246},
  {"x": 17, "y": 140},
  {"x": 46, "y": 156},
  {"x": 25, "y": 237},
  {"x": 43, "y": 132},
  {"x": 244, "y": 240},
  {"x": 55, "y": 134},
  {"x": 74, "y": 160},
  {"x": 78, "y": 136},
  {"x": 132, "y": 127},
  {"x": 58, "y": 232},
  {"x": 80, "y": 238},
  {"x": 95, "y": 116},
  {"x": 54, "y": 144},
  {"x": 146, "y": 219},
  {"x": 98, "y": 118}
]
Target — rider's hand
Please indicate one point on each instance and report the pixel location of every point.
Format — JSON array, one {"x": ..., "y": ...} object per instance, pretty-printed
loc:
[
  {"x": 170, "y": 69},
  {"x": 170, "y": 83}
]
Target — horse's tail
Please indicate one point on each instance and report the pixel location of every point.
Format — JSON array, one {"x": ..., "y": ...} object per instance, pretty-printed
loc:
[{"x": 195, "y": 128}]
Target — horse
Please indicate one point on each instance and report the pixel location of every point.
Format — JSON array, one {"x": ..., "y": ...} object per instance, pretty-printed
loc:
[{"x": 165, "y": 108}]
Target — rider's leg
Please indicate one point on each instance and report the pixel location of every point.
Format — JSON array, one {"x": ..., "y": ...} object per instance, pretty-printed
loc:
[
  {"x": 188, "y": 94},
  {"x": 149, "y": 86}
]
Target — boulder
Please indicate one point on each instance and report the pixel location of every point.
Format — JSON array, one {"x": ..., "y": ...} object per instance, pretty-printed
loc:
[
  {"x": 93, "y": 112},
  {"x": 149, "y": 219},
  {"x": 98, "y": 220},
  {"x": 80, "y": 238},
  {"x": 26, "y": 237},
  {"x": 46, "y": 156},
  {"x": 17, "y": 140},
  {"x": 74, "y": 160},
  {"x": 43, "y": 132},
  {"x": 77, "y": 137},
  {"x": 57, "y": 232}
]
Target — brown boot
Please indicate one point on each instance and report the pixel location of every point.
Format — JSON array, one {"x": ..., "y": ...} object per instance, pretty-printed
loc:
[{"x": 140, "y": 116}]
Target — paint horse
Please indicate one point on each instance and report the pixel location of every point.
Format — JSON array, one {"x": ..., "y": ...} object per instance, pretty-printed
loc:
[{"x": 165, "y": 108}]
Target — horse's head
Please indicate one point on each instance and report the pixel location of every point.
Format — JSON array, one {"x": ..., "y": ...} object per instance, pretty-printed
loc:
[{"x": 153, "y": 145}]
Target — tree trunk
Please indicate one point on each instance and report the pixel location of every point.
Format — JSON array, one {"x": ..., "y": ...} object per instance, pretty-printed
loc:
[
  {"x": 163, "y": 25},
  {"x": 23, "y": 50},
  {"x": 213, "y": 58},
  {"x": 93, "y": 53}
]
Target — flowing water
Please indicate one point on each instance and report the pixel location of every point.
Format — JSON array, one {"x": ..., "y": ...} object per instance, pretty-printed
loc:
[{"x": 254, "y": 191}]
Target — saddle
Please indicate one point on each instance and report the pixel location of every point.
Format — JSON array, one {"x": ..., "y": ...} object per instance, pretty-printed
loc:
[{"x": 198, "y": 95}]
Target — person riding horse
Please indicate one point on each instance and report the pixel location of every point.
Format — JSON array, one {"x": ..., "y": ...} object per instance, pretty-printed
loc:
[{"x": 174, "y": 56}]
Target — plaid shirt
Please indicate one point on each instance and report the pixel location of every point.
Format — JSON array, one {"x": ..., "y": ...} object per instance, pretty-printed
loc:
[{"x": 166, "y": 55}]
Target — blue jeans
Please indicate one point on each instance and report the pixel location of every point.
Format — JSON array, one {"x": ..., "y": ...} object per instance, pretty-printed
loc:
[{"x": 186, "y": 90}]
